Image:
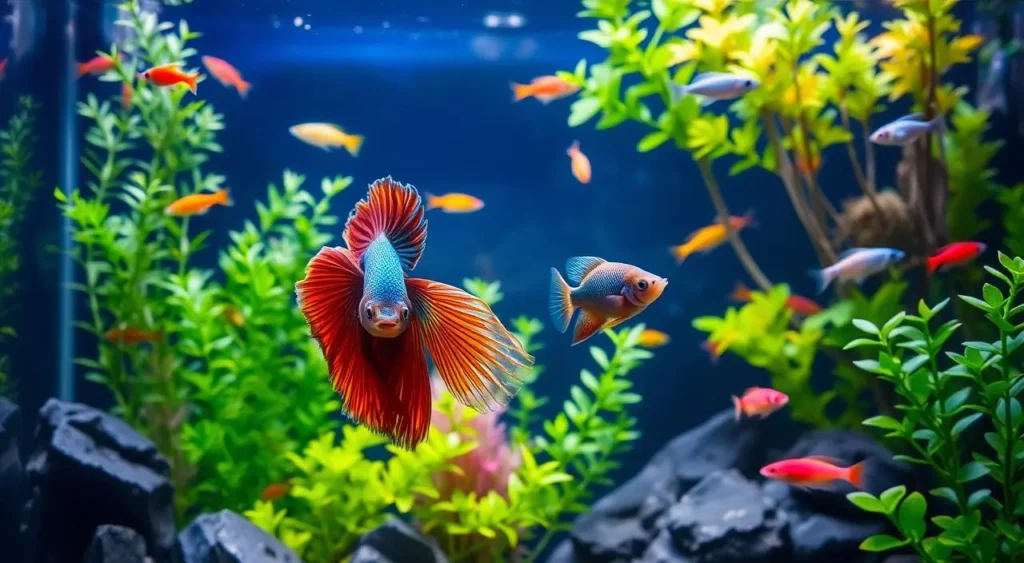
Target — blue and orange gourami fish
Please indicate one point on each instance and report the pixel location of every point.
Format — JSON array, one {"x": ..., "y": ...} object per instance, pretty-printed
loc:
[
  {"x": 373, "y": 322},
  {"x": 608, "y": 293}
]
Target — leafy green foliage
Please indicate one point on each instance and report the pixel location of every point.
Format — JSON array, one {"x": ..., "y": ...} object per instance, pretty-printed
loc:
[
  {"x": 971, "y": 179},
  {"x": 18, "y": 183},
  {"x": 940, "y": 404}
]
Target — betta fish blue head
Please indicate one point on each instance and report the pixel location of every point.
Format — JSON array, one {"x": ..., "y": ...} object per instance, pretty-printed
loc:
[{"x": 896, "y": 255}]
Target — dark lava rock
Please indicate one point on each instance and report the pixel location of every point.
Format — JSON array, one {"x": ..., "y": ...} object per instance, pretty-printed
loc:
[
  {"x": 622, "y": 524},
  {"x": 12, "y": 477},
  {"x": 114, "y": 544},
  {"x": 87, "y": 469},
  {"x": 226, "y": 537},
  {"x": 396, "y": 542},
  {"x": 881, "y": 471},
  {"x": 726, "y": 518}
]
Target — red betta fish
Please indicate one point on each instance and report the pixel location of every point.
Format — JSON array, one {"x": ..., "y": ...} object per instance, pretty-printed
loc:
[
  {"x": 814, "y": 471},
  {"x": 373, "y": 322},
  {"x": 955, "y": 254},
  {"x": 608, "y": 293}
]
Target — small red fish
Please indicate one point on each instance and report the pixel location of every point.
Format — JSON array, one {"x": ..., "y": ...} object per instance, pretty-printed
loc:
[
  {"x": 275, "y": 491},
  {"x": 544, "y": 88},
  {"x": 97, "y": 65},
  {"x": 373, "y": 323},
  {"x": 759, "y": 401},
  {"x": 169, "y": 75},
  {"x": 226, "y": 74},
  {"x": 956, "y": 254},
  {"x": 798, "y": 304},
  {"x": 608, "y": 294},
  {"x": 814, "y": 471},
  {"x": 580, "y": 163},
  {"x": 126, "y": 96},
  {"x": 132, "y": 335}
]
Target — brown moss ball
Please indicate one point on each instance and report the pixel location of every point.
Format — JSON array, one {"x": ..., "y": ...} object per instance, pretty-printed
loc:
[{"x": 889, "y": 225}]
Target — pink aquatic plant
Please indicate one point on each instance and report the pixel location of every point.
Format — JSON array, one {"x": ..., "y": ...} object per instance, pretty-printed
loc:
[{"x": 488, "y": 466}]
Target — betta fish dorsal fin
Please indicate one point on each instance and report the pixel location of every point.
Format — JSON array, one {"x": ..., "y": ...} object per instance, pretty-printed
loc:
[
  {"x": 588, "y": 324},
  {"x": 826, "y": 459},
  {"x": 577, "y": 267},
  {"x": 394, "y": 210},
  {"x": 911, "y": 117},
  {"x": 477, "y": 358}
]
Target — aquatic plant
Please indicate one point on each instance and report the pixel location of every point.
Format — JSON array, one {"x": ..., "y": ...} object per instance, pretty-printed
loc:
[
  {"x": 943, "y": 395},
  {"x": 811, "y": 97},
  {"x": 339, "y": 491},
  {"x": 19, "y": 181}
]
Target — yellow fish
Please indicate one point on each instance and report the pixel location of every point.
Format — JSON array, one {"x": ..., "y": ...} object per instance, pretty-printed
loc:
[
  {"x": 454, "y": 203},
  {"x": 326, "y": 136},
  {"x": 708, "y": 238},
  {"x": 651, "y": 338}
]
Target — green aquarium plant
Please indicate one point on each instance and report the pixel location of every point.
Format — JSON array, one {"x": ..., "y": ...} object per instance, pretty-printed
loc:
[
  {"x": 814, "y": 99},
  {"x": 945, "y": 395},
  {"x": 481, "y": 492},
  {"x": 19, "y": 181}
]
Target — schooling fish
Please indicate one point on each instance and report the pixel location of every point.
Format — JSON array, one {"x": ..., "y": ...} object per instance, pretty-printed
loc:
[
  {"x": 856, "y": 265},
  {"x": 798, "y": 304},
  {"x": 580, "y": 163},
  {"x": 327, "y": 136},
  {"x": 651, "y": 338},
  {"x": 97, "y": 65},
  {"x": 373, "y": 323},
  {"x": 197, "y": 204},
  {"x": 955, "y": 254},
  {"x": 814, "y": 471},
  {"x": 711, "y": 87},
  {"x": 905, "y": 130},
  {"x": 169, "y": 75},
  {"x": 608, "y": 293},
  {"x": 711, "y": 237},
  {"x": 226, "y": 74},
  {"x": 454, "y": 203},
  {"x": 759, "y": 402},
  {"x": 544, "y": 88}
]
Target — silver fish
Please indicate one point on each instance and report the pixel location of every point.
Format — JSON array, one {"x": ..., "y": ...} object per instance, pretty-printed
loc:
[
  {"x": 905, "y": 130},
  {"x": 711, "y": 87},
  {"x": 856, "y": 265}
]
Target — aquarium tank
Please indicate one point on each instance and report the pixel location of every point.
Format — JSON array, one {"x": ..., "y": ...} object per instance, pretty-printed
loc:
[{"x": 706, "y": 281}]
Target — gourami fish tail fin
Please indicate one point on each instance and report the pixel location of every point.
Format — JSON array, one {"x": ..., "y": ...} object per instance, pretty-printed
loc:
[
  {"x": 588, "y": 324},
  {"x": 519, "y": 91},
  {"x": 560, "y": 302},
  {"x": 224, "y": 197},
  {"x": 477, "y": 358},
  {"x": 394, "y": 210},
  {"x": 577, "y": 267},
  {"x": 855, "y": 475},
  {"x": 83, "y": 69},
  {"x": 822, "y": 279},
  {"x": 243, "y": 88},
  {"x": 353, "y": 144},
  {"x": 191, "y": 81},
  {"x": 749, "y": 219},
  {"x": 677, "y": 92},
  {"x": 680, "y": 254},
  {"x": 738, "y": 406},
  {"x": 328, "y": 298},
  {"x": 573, "y": 148},
  {"x": 932, "y": 264},
  {"x": 431, "y": 201}
]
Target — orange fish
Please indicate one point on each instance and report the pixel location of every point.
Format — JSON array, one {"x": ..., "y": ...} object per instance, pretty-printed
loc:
[
  {"x": 759, "y": 401},
  {"x": 799, "y": 305},
  {"x": 607, "y": 294},
  {"x": 580, "y": 163},
  {"x": 132, "y": 335},
  {"x": 275, "y": 491},
  {"x": 545, "y": 88},
  {"x": 374, "y": 323},
  {"x": 651, "y": 338},
  {"x": 126, "y": 96},
  {"x": 454, "y": 203},
  {"x": 226, "y": 74},
  {"x": 709, "y": 238},
  {"x": 169, "y": 75},
  {"x": 234, "y": 316},
  {"x": 97, "y": 65},
  {"x": 814, "y": 471},
  {"x": 197, "y": 204}
]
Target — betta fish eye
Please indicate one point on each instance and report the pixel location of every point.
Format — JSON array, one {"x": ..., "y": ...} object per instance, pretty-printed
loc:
[
  {"x": 641, "y": 285},
  {"x": 369, "y": 313},
  {"x": 405, "y": 313}
]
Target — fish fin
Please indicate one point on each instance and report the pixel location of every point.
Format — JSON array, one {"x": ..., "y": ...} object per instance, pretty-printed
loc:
[
  {"x": 394, "y": 210},
  {"x": 191, "y": 80},
  {"x": 573, "y": 148},
  {"x": 401, "y": 364},
  {"x": 749, "y": 389},
  {"x": 431, "y": 201},
  {"x": 545, "y": 99},
  {"x": 83, "y": 69},
  {"x": 577, "y": 267},
  {"x": 353, "y": 143},
  {"x": 741, "y": 293},
  {"x": 826, "y": 459},
  {"x": 328, "y": 298},
  {"x": 677, "y": 92},
  {"x": 910, "y": 117},
  {"x": 937, "y": 125},
  {"x": 856, "y": 475},
  {"x": 478, "y": 359},
  {"x": 737, "y": 408},
  {"x": 680, "y": 253},
  {"x": 932, "y": 264},
  {"x": 587, "y": 324},
  {"x": 519, "y": 91},
  {"x": 560, "y": 302},
  {"x": 749, "y": 219},
  {"x": 709, "y": 75},
  {"x": 704, "y": 101},
  {"x": 822, "y": 279},
  {"x": 243, "y": 88},
  {"x": 849, "y": 252},
  {"x": 224, "y": 198}
]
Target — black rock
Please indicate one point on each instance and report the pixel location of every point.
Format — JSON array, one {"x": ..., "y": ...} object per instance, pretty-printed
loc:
[
  {"x": 394, "y": 541},
  {"x": 623, "y": 523},
  {"x": 662, "y": 550},
  {"x": 114, "y": 544},
  {"x": 226, "y": 537},
  {"x": 726, "y": 518},
  {"x": 87, "y": 469},
  {"x": 12, "y": 477},
  {"x": 881, "y": 471}
]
